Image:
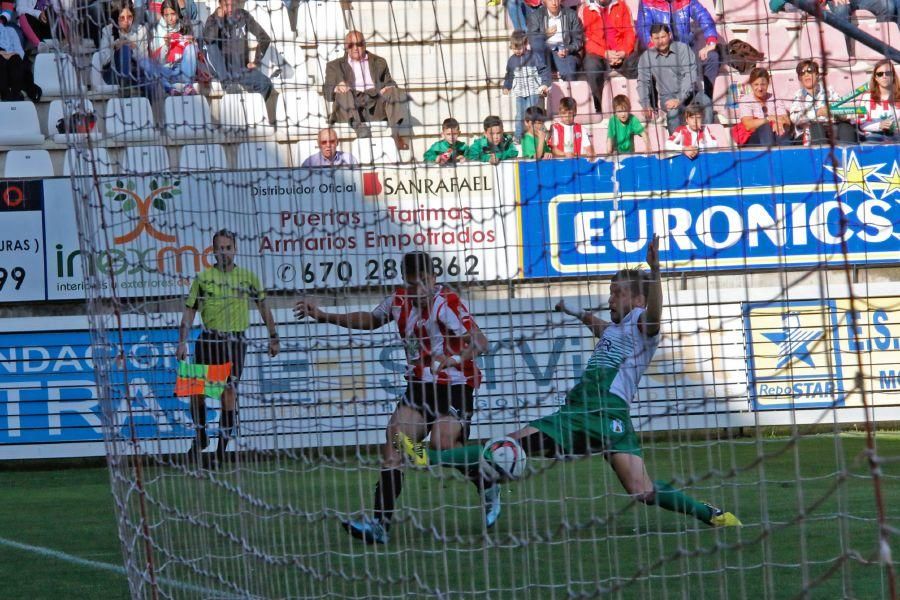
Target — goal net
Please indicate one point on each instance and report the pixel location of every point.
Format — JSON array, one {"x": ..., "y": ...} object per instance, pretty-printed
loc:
[{"x": 776, "y": 362}]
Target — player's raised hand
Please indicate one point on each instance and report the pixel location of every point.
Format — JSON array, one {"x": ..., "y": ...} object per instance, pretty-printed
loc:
[
  {"x": 306, "y": 308},
  {"x": 561, "y": 307},
  {"x": 653, "y": 253}
]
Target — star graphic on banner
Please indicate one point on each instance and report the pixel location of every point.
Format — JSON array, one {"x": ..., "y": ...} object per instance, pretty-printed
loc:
[
  {"x": 853, "y": 176},
  {"x": 892, "y": 181},
  {"x": 792, "y": 341}
]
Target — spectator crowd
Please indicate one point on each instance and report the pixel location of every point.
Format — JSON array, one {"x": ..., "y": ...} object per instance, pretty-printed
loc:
[{"x": 670, "y": 49}]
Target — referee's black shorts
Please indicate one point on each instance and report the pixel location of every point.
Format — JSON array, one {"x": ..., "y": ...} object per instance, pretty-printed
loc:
[
  {"x": 218, "y": 348},
  {"x": 436, "y": 399}
]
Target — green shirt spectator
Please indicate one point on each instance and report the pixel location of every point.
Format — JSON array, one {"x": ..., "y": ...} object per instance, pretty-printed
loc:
[
  {"x": 529, "y": 146},
  {"x": 457, "y": 150},
  {"x": 223, "y": 298},
  {"x": 482, "y": 150},
  {"x": 622, "y": 134}
]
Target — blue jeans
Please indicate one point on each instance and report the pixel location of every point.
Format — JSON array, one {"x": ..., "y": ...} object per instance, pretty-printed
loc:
[
  {"x": 884, "y": 10},
  {"x": 566, "y": 66},
  {"x": 516, "y": 10},
  {"x": 181, "y": 72},
  {"x": 522, "y": 103}
]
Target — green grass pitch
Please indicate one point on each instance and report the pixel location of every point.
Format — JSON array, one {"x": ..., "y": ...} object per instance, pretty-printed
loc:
[{"x": 807, "y": 504}]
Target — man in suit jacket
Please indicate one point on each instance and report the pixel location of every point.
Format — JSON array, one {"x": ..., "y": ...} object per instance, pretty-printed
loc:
[
  {"x": 557, "y": 33},
  {"x": 362, "y": 90}
]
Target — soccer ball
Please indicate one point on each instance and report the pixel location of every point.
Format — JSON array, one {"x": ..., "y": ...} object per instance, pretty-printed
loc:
[{"x": 503, "y": 459}]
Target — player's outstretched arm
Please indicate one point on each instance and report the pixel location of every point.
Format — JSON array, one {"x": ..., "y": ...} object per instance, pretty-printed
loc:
[
  {"x": 590, "y": 320},
  {"x": 354, "y": 320},
  {"x": 653, "y": 313}
]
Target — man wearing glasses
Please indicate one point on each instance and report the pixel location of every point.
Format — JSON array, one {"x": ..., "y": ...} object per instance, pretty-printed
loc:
[
  {"x": 360, "y": 86},
  {"x": 329, "y": 154}
]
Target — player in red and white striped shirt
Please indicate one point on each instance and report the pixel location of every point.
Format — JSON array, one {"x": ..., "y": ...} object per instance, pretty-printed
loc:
[{"x": 441, "y": 340}]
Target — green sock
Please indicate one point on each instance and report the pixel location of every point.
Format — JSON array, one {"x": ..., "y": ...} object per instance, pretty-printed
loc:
[
  {"x": 461, "y": 456},
  {"x": 669, "y": 498}
]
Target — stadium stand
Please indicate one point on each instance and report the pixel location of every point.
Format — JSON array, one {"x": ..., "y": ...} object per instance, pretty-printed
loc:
[
  {"x": 129, "y": 120},
  {"x": 21, "y": 125},
  {"x": 78, "y": 161},
  {"x": 23, "y": 164},
  {"x": 202, "y": 157}
]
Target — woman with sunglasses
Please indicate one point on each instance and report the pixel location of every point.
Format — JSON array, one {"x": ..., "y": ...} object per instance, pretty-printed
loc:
[
  {"x": 882, "y": 102},
  {"x": 765, "y": 120},
  {"x": 809, "y": 110}
]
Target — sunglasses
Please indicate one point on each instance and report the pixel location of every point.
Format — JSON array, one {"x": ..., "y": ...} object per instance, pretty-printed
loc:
[
  {"x": 884, "y": 74},
  {"x": 352, "y": 45},
  {"x": 809, "y": 71}
]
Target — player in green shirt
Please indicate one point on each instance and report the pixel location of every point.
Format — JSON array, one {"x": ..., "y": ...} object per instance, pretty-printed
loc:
[
  {"x": 534, "y": 142},
  {"x": 623, "y": 127},
  {"x": 222, "y": 294},
  {"x": 494, "y": 146}
]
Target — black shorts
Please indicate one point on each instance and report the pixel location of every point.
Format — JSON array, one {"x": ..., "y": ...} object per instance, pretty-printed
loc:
[
  {"x": 218, "y": 348},
  {"x": 436, "y": 399}
]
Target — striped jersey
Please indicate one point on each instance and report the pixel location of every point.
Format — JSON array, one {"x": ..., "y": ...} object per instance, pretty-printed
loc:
[
  {"x": 436, "y": 331},
  {"x": 620, "y": 357}
]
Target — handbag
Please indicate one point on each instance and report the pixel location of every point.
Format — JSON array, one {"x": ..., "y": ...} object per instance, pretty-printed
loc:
[
  {"x": 740, "y": 134},
  {"x": 77, "y": 122},
  {"x": 742, "y": 56}
]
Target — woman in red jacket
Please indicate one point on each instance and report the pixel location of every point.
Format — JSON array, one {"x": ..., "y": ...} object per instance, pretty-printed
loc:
[{"x": 609, "y": 43}]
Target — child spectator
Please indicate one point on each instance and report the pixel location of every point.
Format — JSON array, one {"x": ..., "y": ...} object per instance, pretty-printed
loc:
[
  {"x": 173, "y": 52},
  {"x": 623, "y": 128},
  {"x": 527, "y": 77},
  {"x": 449, "y": 149},
  {"x": 693, "y": 136},
  {"x": 569, "y": 138},
  {"x": 123, "y": 48},
  {"x": 534, "y": 142},
  {"x": 15, "y": 76},
  {"x": 494, "y": 146}
]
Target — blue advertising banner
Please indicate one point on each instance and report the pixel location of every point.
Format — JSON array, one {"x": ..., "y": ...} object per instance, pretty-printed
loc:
[
  {"x": 48, "y": 387},
  {"x": 723, "y": 210}
]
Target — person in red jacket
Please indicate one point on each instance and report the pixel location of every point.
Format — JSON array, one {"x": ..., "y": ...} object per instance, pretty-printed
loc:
[{"x": 610, "y": 41}]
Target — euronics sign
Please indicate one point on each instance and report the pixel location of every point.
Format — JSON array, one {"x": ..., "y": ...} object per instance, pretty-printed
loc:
[{"x": 793, "y": 208}]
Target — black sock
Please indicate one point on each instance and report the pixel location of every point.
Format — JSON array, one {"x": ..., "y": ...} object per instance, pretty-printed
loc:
[
  {"x": 198, "y": 413},
  {"x": 386, "y": 491},
  {"x": 473, "y": 474}
]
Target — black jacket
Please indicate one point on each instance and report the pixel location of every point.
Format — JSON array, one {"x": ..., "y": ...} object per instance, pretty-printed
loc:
[
  {"x": 231, "y": 36},
  {"x": 572, "y": 28}
]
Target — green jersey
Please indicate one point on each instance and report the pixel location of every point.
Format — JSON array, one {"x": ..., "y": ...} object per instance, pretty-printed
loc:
[
  {"x": 223, "y": 298},
  {"x": 443, "y": 146},
  {"x": 481, "y": 150},
  {"x": 623, "y": 134},
  {"x": 529, "y": 146}
]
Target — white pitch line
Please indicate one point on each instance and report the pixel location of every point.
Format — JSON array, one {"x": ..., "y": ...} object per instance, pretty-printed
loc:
[{"x": 95, "y": 564}]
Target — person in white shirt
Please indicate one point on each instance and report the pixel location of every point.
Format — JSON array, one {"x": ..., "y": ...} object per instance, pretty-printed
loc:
[
  {"x": 882, "y": 104},
  {"x": 693, "y": 136},
  {"x": 569, "y": 139},
  {"x": 809, "y": 110},
  {"x": 124, "y": 45}
]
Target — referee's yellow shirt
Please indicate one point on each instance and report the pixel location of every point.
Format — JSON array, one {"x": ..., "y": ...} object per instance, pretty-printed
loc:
[{"x": 224, "y": 298}]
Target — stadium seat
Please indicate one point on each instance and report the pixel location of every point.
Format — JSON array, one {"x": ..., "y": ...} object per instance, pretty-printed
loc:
[
  {"x": 816, "y": 40},
  {"x": 299, "y": 113},
  {"x": 886, "y": 32},
  {"x": 55, "y": 74},
  {"x": 321, "y": 20},
  {"x": 145, "y": 159},
  {"x": 244, "y": 116},
  {"x": 20, "y": 124},
  {"x": 26, "y": 164},
  {"x": 375, "y": 150},
  {"x": 98, "y": 85},
  {"x": 202, "y": 157},
  {"x": 272, "y": 15},
  {"x": 306, "y": 148},
  {"x": 78, "y": 162},
  {"x": 722, "y": 135},
  {"x": 189, "y": 118},
  {"x": 61, "y": 108},
  {"x": 263, "y": 155},
  {"x": 129, "y": 120},
  {"x": 581, "y": 92}
]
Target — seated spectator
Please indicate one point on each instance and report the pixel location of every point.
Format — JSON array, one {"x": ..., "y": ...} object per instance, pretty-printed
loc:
[
  {"x": 527, "y": 77},
  {"x": 449, "y": 149},
  {"x": 623, "y": 128},
  {"x": 123, "y": 48},
  {"x": 568, "y": 138},
  {"x": 882, "y": 104},
  {"x": 609, "y": 43},
  {"x": 362, "y": 90},
  {"x": 228, "y": 49},
  {"x": 668, "y": 71},
  {"x": 809, "y": 110},
  {"x": 15, "y": 75},
  {"x": 329, "y": 155},
  {"x": 494, "y": 146},
  {"x": 884, "y": 10},
  {"x": 37, "y": 20},
  {"x": 684, "y": 17},
  {"x": 765, "y": 121},
  {"x": 556, "y": 33},
  {"x": 516, "y": 11},
  {"x": 173, "y": 52},
  {"x": 534, "y": 142},
  {"x": 693, "y": 136}
]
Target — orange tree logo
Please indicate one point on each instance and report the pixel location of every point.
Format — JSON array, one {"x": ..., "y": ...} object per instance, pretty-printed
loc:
[{"x": 124, "y": 193}]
